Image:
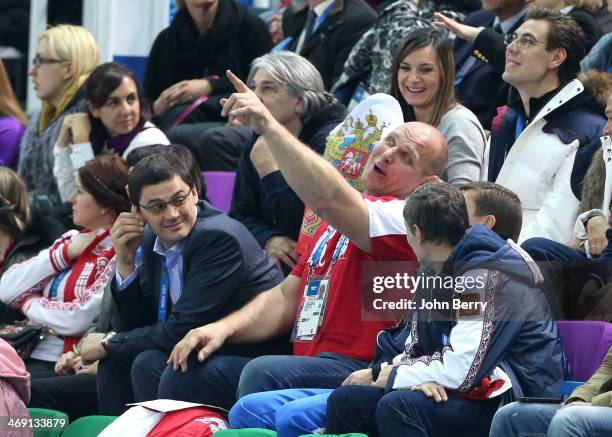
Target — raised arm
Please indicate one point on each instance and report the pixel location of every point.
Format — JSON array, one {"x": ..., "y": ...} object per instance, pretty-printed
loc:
[{"x": 314, "y": 179}]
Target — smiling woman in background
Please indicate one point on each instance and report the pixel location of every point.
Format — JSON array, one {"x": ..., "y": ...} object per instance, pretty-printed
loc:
[
  {"x": 116, "y": 122},
  {"x": 422, "y": 82},
  {"x": 65, "y": 55}
]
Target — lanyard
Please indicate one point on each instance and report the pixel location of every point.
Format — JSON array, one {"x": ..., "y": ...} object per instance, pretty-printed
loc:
[
  {"x": 283, "y": 44},
  {"x": 138, "y": 257},
  {"x": 520, "y": 126},
  {"x": 56, "y": 283},
  {"x": 320, "y": 20},
  {"x": 164, "y": 290}
]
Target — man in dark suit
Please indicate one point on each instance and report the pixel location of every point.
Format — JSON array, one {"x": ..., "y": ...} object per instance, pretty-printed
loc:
[
  {"x": 325, "y": 32},
  {"x": 479, "y": 53},
  {"x": 195, "y": 265}
]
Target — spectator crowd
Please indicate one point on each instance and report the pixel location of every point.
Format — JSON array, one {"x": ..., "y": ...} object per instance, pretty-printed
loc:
[{"x": 458, "y": 141}]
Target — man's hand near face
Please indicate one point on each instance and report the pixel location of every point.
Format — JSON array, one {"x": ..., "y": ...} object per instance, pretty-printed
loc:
[{"x": 127, "y": 234}]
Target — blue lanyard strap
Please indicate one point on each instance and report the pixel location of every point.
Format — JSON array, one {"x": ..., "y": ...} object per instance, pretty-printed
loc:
[
  {"x": 164, "y": 291},
  {"x": 283, "y": 44},
  {"x": 520, "y": 126},
  {"x": 321, "y": 19}
]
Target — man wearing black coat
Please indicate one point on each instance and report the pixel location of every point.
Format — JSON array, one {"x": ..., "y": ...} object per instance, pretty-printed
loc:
[
  {"x": 183, "y": 54},
  {"x": 195, "y": 265},
  {"x": 325, "y": 32}
]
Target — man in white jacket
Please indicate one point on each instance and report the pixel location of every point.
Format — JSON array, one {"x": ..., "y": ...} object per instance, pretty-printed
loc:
[{"x": 544, "y": 142}]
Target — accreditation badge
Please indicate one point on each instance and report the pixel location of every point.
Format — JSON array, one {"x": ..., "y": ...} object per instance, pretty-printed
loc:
[{"x": 311, "y": 311}]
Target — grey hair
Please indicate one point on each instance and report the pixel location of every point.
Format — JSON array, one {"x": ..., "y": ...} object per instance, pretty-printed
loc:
[{"x": 300, "y": 77}]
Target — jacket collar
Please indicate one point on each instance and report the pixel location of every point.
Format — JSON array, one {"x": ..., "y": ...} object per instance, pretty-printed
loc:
[
  {"x": 338, "y": 6},
  {"x": 566, "y": 93},
  {"x": 542, "y": 106},
  {"x": 323, "y": 116}
]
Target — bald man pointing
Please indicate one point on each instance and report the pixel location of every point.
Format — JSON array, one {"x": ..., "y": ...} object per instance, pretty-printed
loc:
[{"x": 319, "y": 302}]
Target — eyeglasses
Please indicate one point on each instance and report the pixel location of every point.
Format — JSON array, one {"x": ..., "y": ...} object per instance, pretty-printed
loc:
[
  {"x": 39, "y": 60},
  {"x": 523, "y": 41},
  {"x": 160, "y": 207}
]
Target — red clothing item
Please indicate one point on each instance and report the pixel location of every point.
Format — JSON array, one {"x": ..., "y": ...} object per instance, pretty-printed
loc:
[
  {"x": 343, "y": 332},
  {"x": 190, "y": 422},
  {"x": 63, "y": 294}
]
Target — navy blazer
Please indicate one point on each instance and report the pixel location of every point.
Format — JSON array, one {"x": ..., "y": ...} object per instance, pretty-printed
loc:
[
  {"x": 483, "y": 81},
  {"x": 223, "y": 269}
]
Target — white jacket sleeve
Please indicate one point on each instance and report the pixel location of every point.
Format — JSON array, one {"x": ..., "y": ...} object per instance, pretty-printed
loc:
[
  {"x": 68, "y": 160},
  {"x": 450, "y": 367},
  {"x": 30, "y": 277},
  {"x": 71, "y": 318},
  {"x": 63, "y": 172}
]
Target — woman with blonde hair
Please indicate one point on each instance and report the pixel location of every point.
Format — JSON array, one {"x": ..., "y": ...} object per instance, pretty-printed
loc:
[
  {"x": 65, "y": 55},
  {"x": 12, "y": 121}
]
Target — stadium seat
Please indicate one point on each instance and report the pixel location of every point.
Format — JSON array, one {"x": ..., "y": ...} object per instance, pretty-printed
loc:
[
  {"x": 42, "y": 413},
  {"x": 220, "y": 188},
  {"x": 89, "y": 426},
  {"x": 585, "y": 343}
]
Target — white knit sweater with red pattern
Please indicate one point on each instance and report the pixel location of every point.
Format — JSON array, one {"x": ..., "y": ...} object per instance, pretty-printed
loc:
[{"x": 71, "y": 305}]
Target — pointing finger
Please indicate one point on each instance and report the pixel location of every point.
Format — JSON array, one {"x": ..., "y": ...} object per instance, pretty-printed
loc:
[{"x": 238, "y": 84}]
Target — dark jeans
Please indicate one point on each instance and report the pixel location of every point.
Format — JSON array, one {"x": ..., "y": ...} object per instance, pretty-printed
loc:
[
  {"x": 122, "y": 381},
  {"x": 74, "y": 395},
  {"x": 267, "y": 373},
  {"x": 366, "y": 409},
  {"x": 213, "y": 382},
  {"x": 214, "y": 146},
  {"x": 216, "y": 381}
]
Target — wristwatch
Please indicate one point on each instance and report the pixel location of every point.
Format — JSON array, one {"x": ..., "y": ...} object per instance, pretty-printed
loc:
[{"x": 106, "y": 338}]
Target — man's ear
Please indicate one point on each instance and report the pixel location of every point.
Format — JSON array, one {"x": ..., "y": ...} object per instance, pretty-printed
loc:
[
  {"x": 490, "y": 221},
  {"x": 418, "y": 234},
  {"x": 559, "y": 57}
]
